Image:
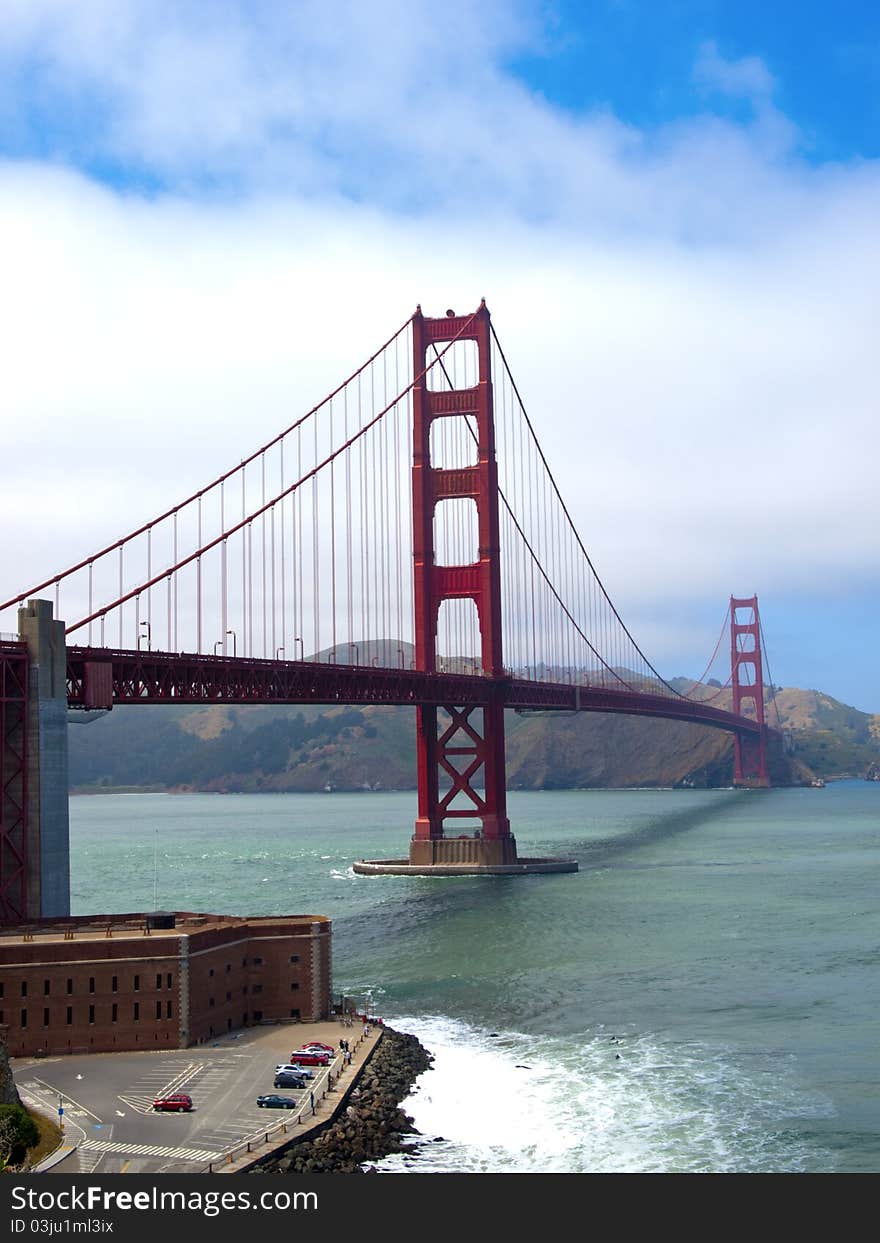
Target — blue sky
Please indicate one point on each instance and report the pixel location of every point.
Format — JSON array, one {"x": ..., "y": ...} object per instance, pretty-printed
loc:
[
  {"x": 638, "y": 60},
  {"x": 671, "y": 208}
]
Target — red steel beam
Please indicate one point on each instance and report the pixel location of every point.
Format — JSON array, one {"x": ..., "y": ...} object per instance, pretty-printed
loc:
[{"x": 169, "y": 677}]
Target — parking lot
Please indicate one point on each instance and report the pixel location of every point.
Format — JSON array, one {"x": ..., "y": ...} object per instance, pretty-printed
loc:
[{"x": 107, "y": 1098}]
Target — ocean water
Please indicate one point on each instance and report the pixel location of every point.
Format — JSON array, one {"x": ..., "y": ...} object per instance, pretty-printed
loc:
[{"x": 702, "y": 996}]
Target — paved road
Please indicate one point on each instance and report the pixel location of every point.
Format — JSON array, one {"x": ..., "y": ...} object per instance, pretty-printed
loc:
[{"x": 107, "y": 1098}]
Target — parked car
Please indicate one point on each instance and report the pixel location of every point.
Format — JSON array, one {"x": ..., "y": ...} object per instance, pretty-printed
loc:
[
  {"x": 275, "y": 1101},
  {"x": 309, "y": 1057},
  {"x": 288, "y": 1079},
  {"x": 302, "y": 1071},
  {"x": 318, "y": 1047},
  {"x": 177, "y": 1102}
]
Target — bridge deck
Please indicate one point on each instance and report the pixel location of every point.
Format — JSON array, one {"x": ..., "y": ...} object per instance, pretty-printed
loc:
[{"x": 101, "y": 678}]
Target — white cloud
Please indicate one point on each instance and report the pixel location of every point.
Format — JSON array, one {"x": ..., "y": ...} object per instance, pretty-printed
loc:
[{"x": 690, "y": 308}]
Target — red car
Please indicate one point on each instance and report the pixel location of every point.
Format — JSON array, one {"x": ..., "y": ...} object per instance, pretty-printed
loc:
[
  {"x": 178, "y": 1102},
  {"x": 310, "y": 1057},
  {"x": 315, "y": 1046}
]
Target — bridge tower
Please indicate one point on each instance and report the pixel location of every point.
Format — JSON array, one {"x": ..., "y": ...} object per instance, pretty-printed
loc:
[
  {"x": 467, "y": 750},
  {"x": 747, "y": 680}
]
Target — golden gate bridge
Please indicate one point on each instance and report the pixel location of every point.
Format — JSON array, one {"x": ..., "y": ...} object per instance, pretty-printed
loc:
[{"x": 402, "y": 542}]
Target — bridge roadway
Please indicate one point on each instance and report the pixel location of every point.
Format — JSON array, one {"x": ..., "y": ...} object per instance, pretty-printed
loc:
[
  {"x": 103, "y": 677},
  {"x": 110, "y": 1125}
]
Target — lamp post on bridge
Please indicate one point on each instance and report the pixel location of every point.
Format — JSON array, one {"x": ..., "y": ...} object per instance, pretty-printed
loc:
[
  {"x": 234, "y": 645},
  {"x": 145, "y": 636},
  {"x": 302, "y": 650}
]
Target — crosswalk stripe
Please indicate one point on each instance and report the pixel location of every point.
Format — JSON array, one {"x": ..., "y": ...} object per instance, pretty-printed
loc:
[{"x": 147, "y": 1150}]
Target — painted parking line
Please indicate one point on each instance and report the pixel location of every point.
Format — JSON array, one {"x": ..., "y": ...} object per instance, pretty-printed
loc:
[{"x": 147, "y": 1150}]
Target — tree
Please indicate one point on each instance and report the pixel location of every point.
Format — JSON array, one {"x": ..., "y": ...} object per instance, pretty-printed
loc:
[{"x": 18, "y": 1132}]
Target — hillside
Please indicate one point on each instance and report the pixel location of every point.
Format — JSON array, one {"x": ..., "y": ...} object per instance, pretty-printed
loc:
[{"x": 276, "y": 748}]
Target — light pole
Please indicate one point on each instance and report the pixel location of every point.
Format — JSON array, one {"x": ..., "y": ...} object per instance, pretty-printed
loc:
[
  {"x": 219, "y": 643},
  {"x": 232, "y": 632},
  {"x": 145, "y": 636},
  {"x": 302, "y": 650},
  {"x": 400, "y": 654},
  {"x": 279, "y": 652},
  {"x": 357, "y": 653}
]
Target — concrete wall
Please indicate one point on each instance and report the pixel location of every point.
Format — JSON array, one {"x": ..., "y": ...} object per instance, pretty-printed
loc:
[{"x": 48, "y": 892}]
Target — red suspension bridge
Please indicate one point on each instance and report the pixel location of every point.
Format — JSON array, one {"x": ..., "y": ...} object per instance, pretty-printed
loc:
[{"x": 403, "y": 542}]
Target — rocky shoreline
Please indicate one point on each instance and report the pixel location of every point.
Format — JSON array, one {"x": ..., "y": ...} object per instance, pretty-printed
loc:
[{"x": 372, "y": 1125}]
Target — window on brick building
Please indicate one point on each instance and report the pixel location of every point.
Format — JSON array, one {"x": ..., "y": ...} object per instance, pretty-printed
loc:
[
  {"x": 258, "y": 1016},
  {"x": 294, "y": 957},
  {"x": 168, "y": 1009},
  {"x": 137, "y": 1011},
  {"x": 23, "y": 1022},
  {"x": 91, "y": 983},
  {"x": 294, "y": 986},
  {"x": 294, "y": 1014},
  {"x": 211, "y": 971},
  {"x": 211, "y": 1002},
  {"x": 69, "y": 986},
  {"x": 69, "y": 1015},
  {"x": 114, "y": 1012},
  {"x": 1, "y": 989},
  {"x": 258, "y": 988},
  {"x": 114, "y": 984},
  {"x": 46, "y": 1018},
  {"x": 158, "y": 1009},
  {"x": 258, "y": 962},
  {"x": 45, "y": 988},
  {"x": 229, "y": 996},
  {"x": 158, "y": 979},
  {"x": 91, "y": 1014},
  {"x": 24, "y": 988},
  {"x": 169, "y": 979},
  {"x": 228, "y": 967},
  {"x": 137, "y": 983}
]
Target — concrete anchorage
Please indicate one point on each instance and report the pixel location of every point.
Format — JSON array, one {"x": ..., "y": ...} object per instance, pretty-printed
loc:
[{"x": 48, "y": 860}]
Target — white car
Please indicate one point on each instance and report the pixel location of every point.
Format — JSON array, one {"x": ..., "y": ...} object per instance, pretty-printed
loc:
[{"x": 294, "y": 1069}]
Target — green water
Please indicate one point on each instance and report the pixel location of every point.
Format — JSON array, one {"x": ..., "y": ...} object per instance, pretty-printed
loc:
[{"x": 702, "y": 995}]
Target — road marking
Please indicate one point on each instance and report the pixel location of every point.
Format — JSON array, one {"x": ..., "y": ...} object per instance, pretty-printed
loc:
[
  {"x": 68, "y": 1100},
  {"x": 140, "y": 1104},
  {"x": 148, "y": 1150}
]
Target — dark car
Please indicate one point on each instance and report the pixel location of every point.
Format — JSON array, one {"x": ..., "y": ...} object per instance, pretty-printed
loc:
[
  {"x": 177, "y": 1102},
  {"x": 276, "y": 1102},
  {"x": 288, "y": 1079}
]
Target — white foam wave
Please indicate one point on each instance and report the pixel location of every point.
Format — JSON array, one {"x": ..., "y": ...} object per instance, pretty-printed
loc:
[{"x": 505, "y": 1103}]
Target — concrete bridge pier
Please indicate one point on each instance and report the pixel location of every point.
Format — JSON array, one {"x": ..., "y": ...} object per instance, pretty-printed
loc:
[{"x": 48, "y": 837}]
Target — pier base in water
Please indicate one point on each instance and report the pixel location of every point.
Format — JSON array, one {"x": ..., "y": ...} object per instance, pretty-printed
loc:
[{"x": 462, "y": 856}]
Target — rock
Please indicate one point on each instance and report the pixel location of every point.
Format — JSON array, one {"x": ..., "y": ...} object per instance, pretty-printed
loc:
[{"x": 373, "y": 1124}]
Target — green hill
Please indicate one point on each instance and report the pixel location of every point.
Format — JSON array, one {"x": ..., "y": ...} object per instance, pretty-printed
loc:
[{"x": 278, "y": 748}]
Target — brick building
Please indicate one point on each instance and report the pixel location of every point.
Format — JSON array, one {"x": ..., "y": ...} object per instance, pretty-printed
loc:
[{"x": 90, "y": 984}]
